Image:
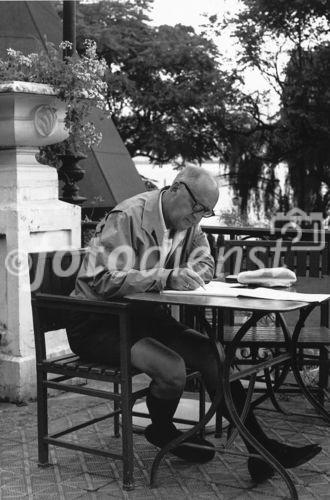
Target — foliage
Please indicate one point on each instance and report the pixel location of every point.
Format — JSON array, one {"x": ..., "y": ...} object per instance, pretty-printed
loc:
[
  {"x": 168, "y": 95},
  {"x": 303, "y": 132},
  {"x": 234, "y": 218},
  {"x": 172, "y": 101},
  {"x": 288, "y": 43},
  {"x": 302, "y": 22},
  {"x": 79, "y": 81}
]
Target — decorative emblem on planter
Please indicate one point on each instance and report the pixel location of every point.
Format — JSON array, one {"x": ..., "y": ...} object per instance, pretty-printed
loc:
[{"x": 45, "y": 120}]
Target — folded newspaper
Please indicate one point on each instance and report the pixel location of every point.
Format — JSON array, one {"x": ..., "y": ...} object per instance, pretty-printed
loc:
[
  {"x": 268, "y": 277},
  {"x": 221, "y": 289}
]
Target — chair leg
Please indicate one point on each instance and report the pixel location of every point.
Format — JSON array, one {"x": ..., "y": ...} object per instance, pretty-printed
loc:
[
  {"x": 126, "y": 405},
  {"x": 323, "y": 372},
  {"x": 201, "y": 403},
  {"x": 42, "y": 412},
  {"x": 127, "y": 435},
  {"x": 116, "y": 407}
]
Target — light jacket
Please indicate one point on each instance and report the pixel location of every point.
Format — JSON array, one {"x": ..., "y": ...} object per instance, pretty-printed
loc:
[{"x": 124, "y": 255}]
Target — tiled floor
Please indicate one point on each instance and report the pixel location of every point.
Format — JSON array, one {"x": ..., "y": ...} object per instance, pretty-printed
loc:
[{"x": 77, "y": 475}]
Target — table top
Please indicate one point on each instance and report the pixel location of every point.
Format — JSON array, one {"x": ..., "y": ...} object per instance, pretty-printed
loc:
[
  {"x": 317, "y": 285},
  {"x": 239, "y": 303},
  {"x": 309, "y": 284}
]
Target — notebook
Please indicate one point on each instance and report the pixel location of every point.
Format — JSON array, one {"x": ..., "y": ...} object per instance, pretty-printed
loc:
[{"x": 221, "y": 289}]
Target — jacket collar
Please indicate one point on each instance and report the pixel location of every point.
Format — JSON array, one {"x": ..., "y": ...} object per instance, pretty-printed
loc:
[{"x": 151, "y": 221}]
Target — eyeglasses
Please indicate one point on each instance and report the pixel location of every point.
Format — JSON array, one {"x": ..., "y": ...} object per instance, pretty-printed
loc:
[{"x": 198, "y": 207}]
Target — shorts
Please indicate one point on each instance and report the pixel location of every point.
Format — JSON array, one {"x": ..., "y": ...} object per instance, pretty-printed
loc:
[{"x": 95, "y": 337}]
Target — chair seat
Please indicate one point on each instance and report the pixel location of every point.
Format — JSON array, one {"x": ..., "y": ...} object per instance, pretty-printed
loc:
[
  {"x": 72, "y": 365},
  {"x": 272, "y": 336}
]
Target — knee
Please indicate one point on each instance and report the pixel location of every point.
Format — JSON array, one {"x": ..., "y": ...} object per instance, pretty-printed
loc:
[
  {"x": 202, "y": 355},
  {"x": 173, "y": 376},
  {"x": 169, "y": 379},
  {"x": 165, "y": 367}
]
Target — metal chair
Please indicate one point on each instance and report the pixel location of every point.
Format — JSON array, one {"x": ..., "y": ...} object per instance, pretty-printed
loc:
[
  {"x": 52, "y": 277},
  {"x": 306, "y": 259}
]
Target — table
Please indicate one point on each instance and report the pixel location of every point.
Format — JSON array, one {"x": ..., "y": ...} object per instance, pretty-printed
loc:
[{"x": 258, "y": 308}]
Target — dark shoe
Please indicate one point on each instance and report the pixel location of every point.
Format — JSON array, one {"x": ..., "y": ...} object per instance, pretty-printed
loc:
[
  {"x": 194, "y": 449},
  {"x": 288, "y": 456},
  {"x": 292, "y": 456}
]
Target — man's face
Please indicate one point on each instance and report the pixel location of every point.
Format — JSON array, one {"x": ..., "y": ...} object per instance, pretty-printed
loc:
[{"x": 189, "y": 204}]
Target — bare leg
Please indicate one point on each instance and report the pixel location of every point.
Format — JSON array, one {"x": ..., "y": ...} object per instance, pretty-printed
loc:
[
  {"x": 196, "y": 351},
  {"x": 165, "y": 367},
  {"x": 168, "y": 373}
]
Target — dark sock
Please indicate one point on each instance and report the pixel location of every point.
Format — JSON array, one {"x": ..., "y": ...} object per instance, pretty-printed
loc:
[
  {"x": 161, "y": 411},
  {"x": 259, "y": 470},
  {"x": 279, "y": 450},
  {"x": 162, "y": 431},
  {"x": 251, "y": 423},
  {"x": 288, "y": 456}
]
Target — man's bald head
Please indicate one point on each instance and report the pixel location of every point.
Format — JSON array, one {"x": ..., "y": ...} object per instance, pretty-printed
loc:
[
  {"x": 193, "y": 193},
  {"x": 201, "y": 182}
]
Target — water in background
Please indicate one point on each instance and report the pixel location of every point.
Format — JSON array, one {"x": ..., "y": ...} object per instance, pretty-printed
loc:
[{"x": 163, "y": 176}]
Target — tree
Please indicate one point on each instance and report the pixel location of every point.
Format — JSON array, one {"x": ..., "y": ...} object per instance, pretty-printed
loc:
[
  {"x": 169, "y": 97},
  {"x": 287, "y": 43},
  {"x": 303, "y": 132}
]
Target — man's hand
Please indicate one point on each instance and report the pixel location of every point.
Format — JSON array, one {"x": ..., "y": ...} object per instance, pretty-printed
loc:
[{"x": 184, "y": 279}]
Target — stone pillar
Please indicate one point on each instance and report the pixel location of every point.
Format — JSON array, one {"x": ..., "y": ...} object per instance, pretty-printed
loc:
[{"x": 32, "y": 219}]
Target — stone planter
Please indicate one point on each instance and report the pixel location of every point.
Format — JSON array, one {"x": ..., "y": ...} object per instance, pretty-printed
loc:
[
  {"x": 31, "y": 115},
  {"x": 32, "y": 219}
]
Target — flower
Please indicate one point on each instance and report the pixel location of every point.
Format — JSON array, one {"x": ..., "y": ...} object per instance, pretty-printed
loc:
[{"x": 79, "y": 81}]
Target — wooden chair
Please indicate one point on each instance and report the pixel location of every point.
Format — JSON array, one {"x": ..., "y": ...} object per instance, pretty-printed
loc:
[
  {"x": 306, "y": 260},
  {"x": 52, "y": 277}
]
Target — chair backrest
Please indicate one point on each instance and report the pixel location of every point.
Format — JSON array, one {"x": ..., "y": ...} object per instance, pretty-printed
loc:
[
  {"x": 304, "y": 258},
  {"x": 308, "y": 259},
  {"x": 54, "y": 273}
]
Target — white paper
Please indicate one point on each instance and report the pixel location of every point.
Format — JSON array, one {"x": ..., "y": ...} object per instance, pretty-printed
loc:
[
  {"x": 221, "y": 289},
  {"x": 269, "y": 293},
  {"x": 214, "y": 289}
]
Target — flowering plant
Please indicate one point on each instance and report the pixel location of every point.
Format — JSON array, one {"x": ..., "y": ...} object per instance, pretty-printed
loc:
[{"x": 79, "y": 82}]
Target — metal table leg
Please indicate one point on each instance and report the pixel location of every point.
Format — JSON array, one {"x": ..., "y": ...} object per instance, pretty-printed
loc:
[
  {"x": 230, "y": 355},
  {"x": 295, "y": 367}
]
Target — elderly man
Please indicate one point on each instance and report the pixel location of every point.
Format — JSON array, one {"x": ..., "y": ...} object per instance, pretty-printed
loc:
[{"x": 148, "y": 243}]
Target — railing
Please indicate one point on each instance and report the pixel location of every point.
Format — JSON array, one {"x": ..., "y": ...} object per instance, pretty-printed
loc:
[
  {"x": 217, "y": 234},
  {"x": 261, "y": 232}
]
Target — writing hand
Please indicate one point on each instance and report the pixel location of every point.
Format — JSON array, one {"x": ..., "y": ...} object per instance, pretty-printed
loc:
[{"x": 185, "y": 279}]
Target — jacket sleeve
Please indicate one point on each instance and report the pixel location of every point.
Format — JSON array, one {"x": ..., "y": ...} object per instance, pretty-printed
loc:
[
  {"x": 197, "y": 254},
  {"x": 113, "y": 265}
]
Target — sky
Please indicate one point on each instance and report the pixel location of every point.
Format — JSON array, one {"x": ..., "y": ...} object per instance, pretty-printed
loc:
[{"x": 190, "y": 12}]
